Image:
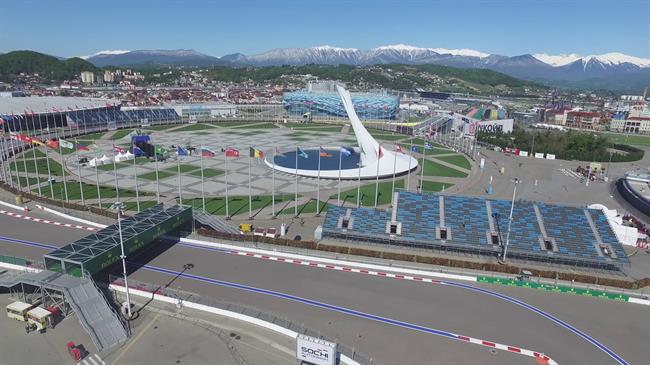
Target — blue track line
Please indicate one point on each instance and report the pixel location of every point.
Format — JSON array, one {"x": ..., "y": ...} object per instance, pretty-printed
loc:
[{"x": 352, "y": 312}]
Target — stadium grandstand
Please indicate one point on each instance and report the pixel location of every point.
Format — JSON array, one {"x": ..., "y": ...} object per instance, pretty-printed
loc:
[
  {"x": 367, "y": 106},
  {"x": 83, "y": 114},
  {"x": 540, "y": 233}
]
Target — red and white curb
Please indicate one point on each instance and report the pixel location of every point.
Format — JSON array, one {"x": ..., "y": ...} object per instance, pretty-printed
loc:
[
  {"x": 540, "y": 357},
  {"x": 40, "y": 220},
  {"x": 337, "y": 267},
  {"x": 12, "y": 206}
]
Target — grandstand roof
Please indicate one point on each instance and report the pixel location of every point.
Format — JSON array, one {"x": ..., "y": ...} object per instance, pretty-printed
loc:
[{"x": 47, "y": 104}]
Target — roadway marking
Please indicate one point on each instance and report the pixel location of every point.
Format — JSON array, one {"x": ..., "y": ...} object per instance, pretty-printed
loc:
[
  {"x": 355, "y": 313},
  {"x": 135, "y": 339},
  {"x": 512, "y": 300},
  {"x": 46, "y": 221}
]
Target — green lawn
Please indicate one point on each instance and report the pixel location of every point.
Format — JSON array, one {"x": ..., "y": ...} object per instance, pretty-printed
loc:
[
  {"x": 309, "y": 207},
  {"x": 389, "y": 137},
  {"x": 133, "y": 206},
  {"x": 121, "y": 134},
  {"x": 433, "y": 151},
  {"x": 368, "y": 193},
  {"x": 194, "y": 127},
  {"x": 161, "y": 127},
  {"x": 55, "y": 167},
  {"x": 109, "y": 166},
  {"x": 231, "y": 124},
  {"x": 184, "y": 168},
  {"x": 629, "y": 139},
  {"x": 207, "y": 172},
  {"x": 420, "y": 142},
  {"x": 151, "y": 176},
  {"x": 237, "y": 204},
  {"x": 322, "y": 129},
  {"x": 90, "y": 191},
  {"x": 305, "y": 125},
  {"x": 31, "y": 180},
  {"x": 435, "y": 169},
  {"x": 263, "y": 125},
  {"x": 93, "y": 136},
  {"x": 457, "y": 160},
  {"x": 299, "y": 138},
  {"x": 434, "y": 186}
]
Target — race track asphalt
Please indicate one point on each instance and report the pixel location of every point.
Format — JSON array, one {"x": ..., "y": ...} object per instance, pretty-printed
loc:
[{"x": 622, "y": 327}]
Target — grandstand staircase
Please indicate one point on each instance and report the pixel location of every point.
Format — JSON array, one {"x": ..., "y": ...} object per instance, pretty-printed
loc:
[
  {"x": 540, "y": 221},
  {"x": 599, "y": 241},
  {"x": 105, "y": 327},
  {"x": 214, "y": 222}
]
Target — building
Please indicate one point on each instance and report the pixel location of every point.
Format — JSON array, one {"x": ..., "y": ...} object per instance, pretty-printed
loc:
[
  {"x": 635, "y": 125},
  {"x": 87, "y": 77},
  {"x": 109, "y": 76},
  {"x": 326, "y": 104},
  {"x": 582, "y": 120}
]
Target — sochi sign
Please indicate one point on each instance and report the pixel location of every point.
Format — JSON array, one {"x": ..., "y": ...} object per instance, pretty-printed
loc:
[
  {"x": 489, "y": 126},
  {"x": 315, "y": 351}
]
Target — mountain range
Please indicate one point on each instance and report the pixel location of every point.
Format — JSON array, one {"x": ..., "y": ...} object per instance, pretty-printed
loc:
[{"x": 614, "y": 71}]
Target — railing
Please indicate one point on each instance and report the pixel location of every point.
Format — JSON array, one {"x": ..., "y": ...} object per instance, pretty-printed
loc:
[
  {"x": 14, "y": 260},
  {"x": 248, "y": 311},
  {"x": 101, "y": 293}
]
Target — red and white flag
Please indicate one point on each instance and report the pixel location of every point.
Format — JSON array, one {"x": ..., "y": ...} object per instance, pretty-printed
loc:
[
  {"x": 399, "y": 149},
  {"x": 381, "y": 153}
]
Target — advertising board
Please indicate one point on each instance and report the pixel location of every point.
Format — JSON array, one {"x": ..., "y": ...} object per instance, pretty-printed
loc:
[
  {"x": 488, "y": 126},
  {"x": 315, "y": 351}
]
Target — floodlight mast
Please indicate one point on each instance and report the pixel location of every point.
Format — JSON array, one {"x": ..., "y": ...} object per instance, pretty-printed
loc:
[{"x": 512, "y": 208}]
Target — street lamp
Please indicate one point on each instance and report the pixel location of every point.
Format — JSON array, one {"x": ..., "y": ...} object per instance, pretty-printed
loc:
[
  {"x": 515, "y": 181},
  {"x": 123, "y": 257}
]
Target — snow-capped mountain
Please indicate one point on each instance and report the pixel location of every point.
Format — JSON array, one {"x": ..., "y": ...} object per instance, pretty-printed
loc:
[
  {"x": 105, "y": 52},
  {"x": 609, "y": 70},
  {"x": 178, "y": 57}
]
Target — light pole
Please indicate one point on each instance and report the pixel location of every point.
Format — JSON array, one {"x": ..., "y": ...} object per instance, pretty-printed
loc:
[
  {"x": 515, "y": 181},
  {"x": 123, "y": 257}
]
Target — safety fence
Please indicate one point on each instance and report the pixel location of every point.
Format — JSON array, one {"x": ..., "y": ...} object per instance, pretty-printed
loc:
[
  {"x": 184, "y": 296},
  {"x": 14, "y": 260}
]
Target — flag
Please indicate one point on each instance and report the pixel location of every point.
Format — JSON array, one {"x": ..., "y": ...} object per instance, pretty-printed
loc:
[
  {"x": 302, "y": 153},
  {"x": 324, "y": 153},
  {"x": 346, "y": 151},
  {"x": 65, "y": 144},
  {"x": 428, "y": 146},
  {"x": 137, "y": 151},
  {"x": 381, "y": 153},
  {"x": 118, "y": 149},
  {"x": 53, "y": 143},
  {"x": 180, "y": 151},
  {"x": 231, "y": 152},
  {"x": 254, "y": 152},
  {"x": 399, "y": 149},
  {"x": 21, "y": 137},
  {"x": 207, "y": 153},
  {"x": 415, "y": 149},
  {"x": 81, "y": 147}
]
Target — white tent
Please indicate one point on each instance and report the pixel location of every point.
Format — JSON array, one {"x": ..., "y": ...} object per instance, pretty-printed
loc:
[
  {"x": 105, "y": 159},
  {"x": 626, "y": 235}
]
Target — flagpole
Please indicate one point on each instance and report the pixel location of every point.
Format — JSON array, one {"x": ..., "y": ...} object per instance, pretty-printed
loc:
[
  {"x": 359, "y": 182},
  {"x": 99, "y": 194},
  {"x": 117, "y": 182},
  {"x": 408, "y": 176},
  {"x": 295, "y": 198},
  {"x": 338, "y": 194},
  {"x": 202, "y": 181},
  {"x": 225, "y": 182},
  {"x": 377, "y": 178},
  {"x": 81, "y": 187},
  {"x": 13, "y": 151},
  {"x": 250, "y": 198},
  {"x": 318, "y": 185},
  {"x": 394, "y": 167},
  {"x": 38, "y": 179},
  {"x": 178, "y": 167},
  {"x": 424, "y": 153},
  {"x": 47, "y": 156},
  {"x": 65, "y": 181},
  {"x": 155, "y": 157},
  {"x": 23, "y": 151},
  {"x": 273, "y": 183},
  {"x": 135, "y": 179}
]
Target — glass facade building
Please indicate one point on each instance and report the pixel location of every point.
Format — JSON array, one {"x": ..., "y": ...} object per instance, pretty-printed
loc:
[{"x": 367, "y": 106}]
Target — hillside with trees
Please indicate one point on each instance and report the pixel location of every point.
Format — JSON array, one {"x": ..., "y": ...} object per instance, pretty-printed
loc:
[{"x": 48, "y": 68}]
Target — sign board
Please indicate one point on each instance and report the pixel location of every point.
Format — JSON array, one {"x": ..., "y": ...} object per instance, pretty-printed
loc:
[
  {"x": 539, "y": 155},
  {"x": 482, "y": 163},
  {"x": 488, "y": 126},
  {"x": 315, "y": 351},
  {"x": 550, "y": 156},
  {"x": 523, "y": 153}
]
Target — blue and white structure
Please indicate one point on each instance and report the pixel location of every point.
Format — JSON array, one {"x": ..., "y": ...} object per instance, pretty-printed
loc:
[
  {"x": 327, "y": 104},
  {"x": 368, "y": 160}
]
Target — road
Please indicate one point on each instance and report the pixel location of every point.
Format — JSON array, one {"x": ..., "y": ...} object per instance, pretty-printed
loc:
[{"x": 622, "y": 327}]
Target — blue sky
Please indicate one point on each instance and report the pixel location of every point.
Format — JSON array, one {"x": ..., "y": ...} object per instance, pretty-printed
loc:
[{"x": 507, "y": 27}]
